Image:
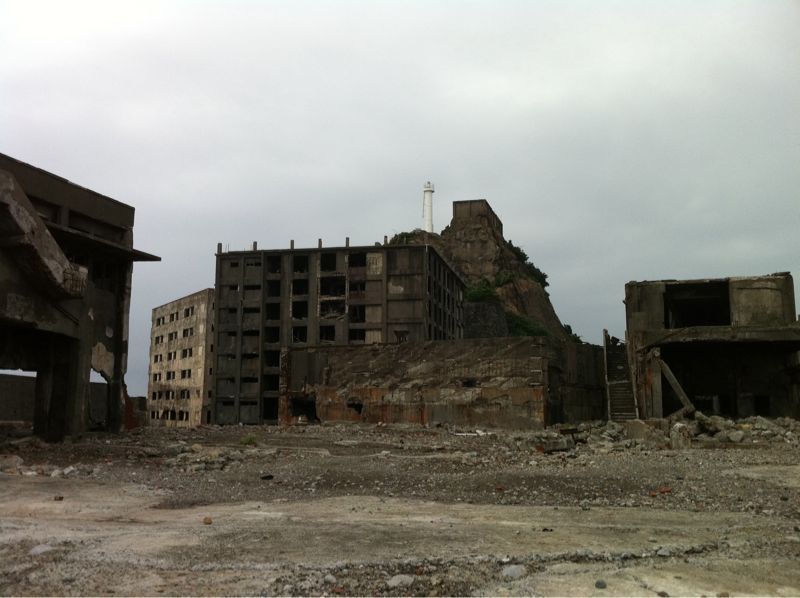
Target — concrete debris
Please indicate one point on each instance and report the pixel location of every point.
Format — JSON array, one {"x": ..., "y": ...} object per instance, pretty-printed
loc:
[
  {"x": 10, "y": 463},
  {"x": 400, "y": 581},
  {"x": 40, "y": 549},
  {"x": 513, "y": 572}
]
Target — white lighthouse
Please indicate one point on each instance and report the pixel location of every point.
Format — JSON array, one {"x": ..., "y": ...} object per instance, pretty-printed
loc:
[{"x": 427, "y": 206}]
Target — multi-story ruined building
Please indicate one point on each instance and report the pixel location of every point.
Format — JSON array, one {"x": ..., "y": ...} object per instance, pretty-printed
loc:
[
  {"x": 267, "y": 301},
  {"x": 727, "y": 346},
  {"x": 180, "y": 381},
  {"x": 66, "y": 257}
]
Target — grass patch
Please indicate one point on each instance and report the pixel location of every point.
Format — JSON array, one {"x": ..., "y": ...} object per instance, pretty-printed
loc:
[{"x": 523, "y": 326}]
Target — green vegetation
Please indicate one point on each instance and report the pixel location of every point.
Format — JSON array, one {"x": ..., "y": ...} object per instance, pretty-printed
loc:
[
  {"x": 523, "y": 326},
  {"x": 482, "y": 292},
  {"x": 528, "y": 267},
  {"x": 249, "y": 440},
  {"x": 405, "y": 238}
]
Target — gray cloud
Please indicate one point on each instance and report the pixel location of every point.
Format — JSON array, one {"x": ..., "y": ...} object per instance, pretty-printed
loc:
[{"x": 617, "y": 141}]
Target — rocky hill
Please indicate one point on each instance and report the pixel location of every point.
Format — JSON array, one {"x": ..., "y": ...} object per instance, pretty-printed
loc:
[{"x": 505, "y": 291}]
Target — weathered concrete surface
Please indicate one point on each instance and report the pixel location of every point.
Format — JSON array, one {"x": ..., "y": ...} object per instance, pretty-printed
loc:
[{"x": 110, "y": 539}]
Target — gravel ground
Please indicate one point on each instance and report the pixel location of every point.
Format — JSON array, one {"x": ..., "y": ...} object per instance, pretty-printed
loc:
[{"x": 537, "y": 480}]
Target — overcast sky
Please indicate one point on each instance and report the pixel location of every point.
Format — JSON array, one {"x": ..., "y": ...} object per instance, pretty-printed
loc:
[{"x": 617, "y": 141}]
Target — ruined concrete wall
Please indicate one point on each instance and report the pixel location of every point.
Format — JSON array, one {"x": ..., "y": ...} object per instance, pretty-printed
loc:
[
  {"x": 17, "y": 399},
  {"x": 729, "y": 343},
  {"x": 762, "y": 301},
  {"x": 488, "y": 382},
  {"x": 584, "y": 389}
]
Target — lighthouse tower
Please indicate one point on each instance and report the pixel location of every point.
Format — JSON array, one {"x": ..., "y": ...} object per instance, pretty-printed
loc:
[{"x": 427, "y": 206}]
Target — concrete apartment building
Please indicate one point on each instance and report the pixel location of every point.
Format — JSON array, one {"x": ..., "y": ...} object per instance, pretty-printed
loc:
[
  {"x": 180, "y": 381},
  {"x": 268, "y": 301}
]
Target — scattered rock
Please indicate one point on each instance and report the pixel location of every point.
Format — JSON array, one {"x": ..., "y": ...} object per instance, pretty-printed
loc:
[
  {"x": 513, "y": 572},
  {"x": 330, "y": 579},
  {"x": 400, "y": 581},
  {"x": 207, "y": 521},
  {"x": 40, "y": 549},
  {"x": 58, "y": 498},
  {"x": 680, "y": 437},
  {"x": 600, "y": 584},
  {"x": 664, "y": 552},
  {"x": 10, "y": 463}
]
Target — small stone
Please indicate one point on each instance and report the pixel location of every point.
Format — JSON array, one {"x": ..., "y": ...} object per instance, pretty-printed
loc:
[
  {"x": 400, "y": 581},
  {"x": 40, "y": 549},
  {"x": 329, "y": 579},
  {"x": 513, "y": 572},
  {"x": 663, "y": 594},
  {"x": 665, "y": 552},
  {"x": 736, "y": 436},
  {"x": 723, "y": 594},
  {"x": 58, "y": 498},
  {"x": 207, "y": 521},
  {"x": 600, "y": 584}
]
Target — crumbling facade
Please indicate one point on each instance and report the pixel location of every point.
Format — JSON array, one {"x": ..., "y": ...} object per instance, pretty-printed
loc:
[
  {"x": 181, "y": 377},
  {"x": 66, "y": 257},
  {"x": 267, "y": 301},
  {"x": 727, "y": 346},
  {"x": 478, "y": 382}
]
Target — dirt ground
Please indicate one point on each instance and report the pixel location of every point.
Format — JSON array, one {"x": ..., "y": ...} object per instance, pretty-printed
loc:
[{"x": 393, "y": 510}]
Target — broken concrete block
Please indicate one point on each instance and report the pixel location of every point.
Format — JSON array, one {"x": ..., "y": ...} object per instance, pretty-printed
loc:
[
  {"x": 680, "y": 437},
  {"x": 636, "y": 429},
  {"x": 10, "y": 463}
]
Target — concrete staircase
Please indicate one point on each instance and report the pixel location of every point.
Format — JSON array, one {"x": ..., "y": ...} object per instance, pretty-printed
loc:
[{"x": 619, "y": 390}]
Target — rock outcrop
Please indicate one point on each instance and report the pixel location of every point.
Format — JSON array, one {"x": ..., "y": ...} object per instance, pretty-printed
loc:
[{"x": 474, "y": 245}]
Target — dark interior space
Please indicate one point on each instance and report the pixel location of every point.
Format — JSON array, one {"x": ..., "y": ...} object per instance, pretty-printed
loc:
[
  {"x": 731, "y": 379},
  {"x": 700, "y": 304},
  {"x": 305, "y": 406}
]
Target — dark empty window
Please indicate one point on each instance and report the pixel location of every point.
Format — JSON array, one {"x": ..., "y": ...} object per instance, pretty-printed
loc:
[
  {"x": 358, "y": 260},
  {"x": 299, "y": 310},
  {"x": 358, "y": 314},
  {"x": 327, "y": 262},
  {"x": 357, "y": 335},
  {"x": 300, "y": 263},
  {"x": 272, "y": 382},
  {"x": 332, "y": 309},
  {"x": 332, "y": 286},
  {"x": 272, "y": 359},
  {"x": 300, "y": 286},
  {"x": 273, "y": 288},
  {"x": 299, "y": 334},
  {"x": 697, "y": 304},
  {"x": 273, "y": 264},
  {"x": 358, "y": 288},
  {"x": 327, "y": 333},
  {"x": 272, "y": 311},
  {"x": 272, "y": 334}
]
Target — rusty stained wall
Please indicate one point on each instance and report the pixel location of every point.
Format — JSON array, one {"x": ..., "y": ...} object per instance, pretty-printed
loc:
[
  {"x": 481, "y": 382},
  {"x": 516, "y": 407}
]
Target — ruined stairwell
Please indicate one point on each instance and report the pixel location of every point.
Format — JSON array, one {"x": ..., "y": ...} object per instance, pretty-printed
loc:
[{"x": 619, "y": 390}]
